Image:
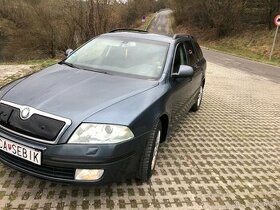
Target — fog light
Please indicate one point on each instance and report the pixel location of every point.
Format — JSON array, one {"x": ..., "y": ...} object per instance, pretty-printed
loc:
[{"x": 88, "y": 174}]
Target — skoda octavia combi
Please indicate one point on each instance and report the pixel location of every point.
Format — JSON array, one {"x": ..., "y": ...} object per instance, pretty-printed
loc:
[{"x": 101, "y": 114}]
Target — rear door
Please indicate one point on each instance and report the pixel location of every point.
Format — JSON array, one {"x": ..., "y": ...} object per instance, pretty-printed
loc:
[
  {"x": 195, "y": 62},
  {"x": 201, "y": 59}
]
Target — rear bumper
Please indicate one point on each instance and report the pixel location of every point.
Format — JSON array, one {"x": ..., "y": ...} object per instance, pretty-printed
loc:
[{"x": 59, "y": 162}]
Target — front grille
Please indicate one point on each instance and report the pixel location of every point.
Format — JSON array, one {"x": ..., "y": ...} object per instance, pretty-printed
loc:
[
  {"x": 49, "y": 171},
  {"x": 37, "y": 126}
]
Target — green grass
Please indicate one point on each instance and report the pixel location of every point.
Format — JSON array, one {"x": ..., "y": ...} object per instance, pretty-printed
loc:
[
  {"x": 41, "y": 63},
  {"x": 2, "y": 194},
  {"x": 239, "y": 51}
]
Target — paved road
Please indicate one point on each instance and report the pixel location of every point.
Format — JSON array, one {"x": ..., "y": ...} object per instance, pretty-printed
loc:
[
  {"x": 226, "y": 156},
  {"x": 270, "y": 72},
  {"x": 162, "y": 23}
]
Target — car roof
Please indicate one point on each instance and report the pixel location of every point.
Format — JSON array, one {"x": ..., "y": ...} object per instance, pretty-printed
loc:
[{"x": 142, "y": 35}]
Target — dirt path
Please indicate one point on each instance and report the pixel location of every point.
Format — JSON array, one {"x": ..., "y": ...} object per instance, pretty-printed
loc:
[{"x": 9, "y": 72}]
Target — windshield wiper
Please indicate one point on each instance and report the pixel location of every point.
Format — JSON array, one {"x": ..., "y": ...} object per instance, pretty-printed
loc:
[
  {"x": 69, "y": 64},
  {"x": 100, "y": 72},
  {"x": 83, "y": 68}
]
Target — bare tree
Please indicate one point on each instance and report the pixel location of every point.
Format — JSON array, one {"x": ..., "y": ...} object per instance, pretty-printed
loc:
[
  {"x": 41, "y": 28},
  {"x": 222, "y": 15}
]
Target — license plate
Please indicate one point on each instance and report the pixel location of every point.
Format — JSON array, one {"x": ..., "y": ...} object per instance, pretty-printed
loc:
[{"x": 20, "y": 151}]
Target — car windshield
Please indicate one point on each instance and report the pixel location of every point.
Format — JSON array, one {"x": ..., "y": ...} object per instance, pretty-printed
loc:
[{"x": 115, "y": 55}]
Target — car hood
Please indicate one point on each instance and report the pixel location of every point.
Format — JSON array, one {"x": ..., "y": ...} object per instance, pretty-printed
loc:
[{"x": 72, "y": 93}]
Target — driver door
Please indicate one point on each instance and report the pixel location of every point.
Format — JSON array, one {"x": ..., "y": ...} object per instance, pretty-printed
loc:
[{"x": 181, "y": 87}]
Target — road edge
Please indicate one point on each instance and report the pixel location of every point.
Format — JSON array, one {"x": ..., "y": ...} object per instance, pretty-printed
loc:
[{"x": 240, "y": 56}]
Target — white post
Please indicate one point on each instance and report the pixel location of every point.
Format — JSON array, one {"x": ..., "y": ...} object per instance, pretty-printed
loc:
[{"x": 273, "y": 45}]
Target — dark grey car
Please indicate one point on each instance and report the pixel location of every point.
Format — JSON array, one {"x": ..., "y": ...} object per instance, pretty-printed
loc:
[{"x": 100, "y": 115}]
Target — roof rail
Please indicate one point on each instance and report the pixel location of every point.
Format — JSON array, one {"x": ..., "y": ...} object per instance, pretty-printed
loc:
[
  {"x": 177, "y": 36},
  {"x": 128, "y": 29}
]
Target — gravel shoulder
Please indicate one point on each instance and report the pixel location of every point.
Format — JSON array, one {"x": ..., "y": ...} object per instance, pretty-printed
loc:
[{"x": 11, "y": 72}]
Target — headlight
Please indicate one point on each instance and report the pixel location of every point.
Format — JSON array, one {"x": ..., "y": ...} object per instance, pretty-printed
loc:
[{"x": 89, "y": 133}]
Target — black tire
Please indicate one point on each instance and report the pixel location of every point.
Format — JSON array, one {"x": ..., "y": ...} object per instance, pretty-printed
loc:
[
  {"x": 198, "y": 101},
  {"x": 145, "y": 167}
]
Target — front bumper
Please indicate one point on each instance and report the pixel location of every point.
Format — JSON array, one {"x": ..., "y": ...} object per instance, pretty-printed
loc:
[{"x": 59, "y": 162}]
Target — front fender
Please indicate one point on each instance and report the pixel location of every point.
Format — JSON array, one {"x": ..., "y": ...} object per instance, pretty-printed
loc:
[{"x": 139, "y": 112}]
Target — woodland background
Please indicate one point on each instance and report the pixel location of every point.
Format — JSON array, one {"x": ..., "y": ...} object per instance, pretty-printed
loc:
[{"x": 40, "y": 29}]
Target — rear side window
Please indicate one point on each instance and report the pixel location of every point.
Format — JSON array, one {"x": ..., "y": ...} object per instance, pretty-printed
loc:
[
  {"x": 198, "y": 50},
  {"x": 192, "y": 59}
]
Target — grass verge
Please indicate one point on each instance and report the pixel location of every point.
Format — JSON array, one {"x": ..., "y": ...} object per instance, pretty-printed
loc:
[
  {"x": 253, "y": 44},
  {"x": 42, "y": 63},
  {"x": 242, "y": 51},
  {"x": 241, "y": 47},
  {"x": 34, "y": 66}
]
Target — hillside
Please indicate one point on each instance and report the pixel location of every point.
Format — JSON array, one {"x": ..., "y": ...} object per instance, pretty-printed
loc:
[{"x": 254, "y": 44}]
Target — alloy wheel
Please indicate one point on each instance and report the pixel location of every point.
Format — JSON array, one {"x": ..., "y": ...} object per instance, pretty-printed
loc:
[{"x": 156, "y": 150}]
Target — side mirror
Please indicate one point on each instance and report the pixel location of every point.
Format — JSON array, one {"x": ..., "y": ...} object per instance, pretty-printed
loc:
[
  {"x": 68, "y": 52},
  {"x": 184, "y": 72}
]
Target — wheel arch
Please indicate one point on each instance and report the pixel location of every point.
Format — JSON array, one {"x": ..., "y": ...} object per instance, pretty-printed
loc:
[
  {"x": 164, "y": 119},
  {"x": 203, "y": 82}
]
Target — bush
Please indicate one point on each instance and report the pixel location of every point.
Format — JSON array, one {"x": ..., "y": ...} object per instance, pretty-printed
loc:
[{"x": 222, "y": 15}]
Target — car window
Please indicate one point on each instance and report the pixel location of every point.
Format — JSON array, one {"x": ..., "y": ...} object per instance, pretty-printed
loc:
[
  {"x": 180, "y": 58},
  {"x": 122, "y": 55},
  {"x": 192, "y": 59},
  {"x": 198, "y": 50}
]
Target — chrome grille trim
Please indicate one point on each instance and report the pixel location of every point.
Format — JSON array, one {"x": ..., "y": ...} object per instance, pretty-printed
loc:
[{"x": 68, "y": 122}]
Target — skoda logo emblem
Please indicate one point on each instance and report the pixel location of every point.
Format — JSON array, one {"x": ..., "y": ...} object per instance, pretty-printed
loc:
[{"x": 25, "y": 113}]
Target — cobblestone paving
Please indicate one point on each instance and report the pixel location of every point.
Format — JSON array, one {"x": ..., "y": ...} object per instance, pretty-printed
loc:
[{"x": 226, "y": 156}]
